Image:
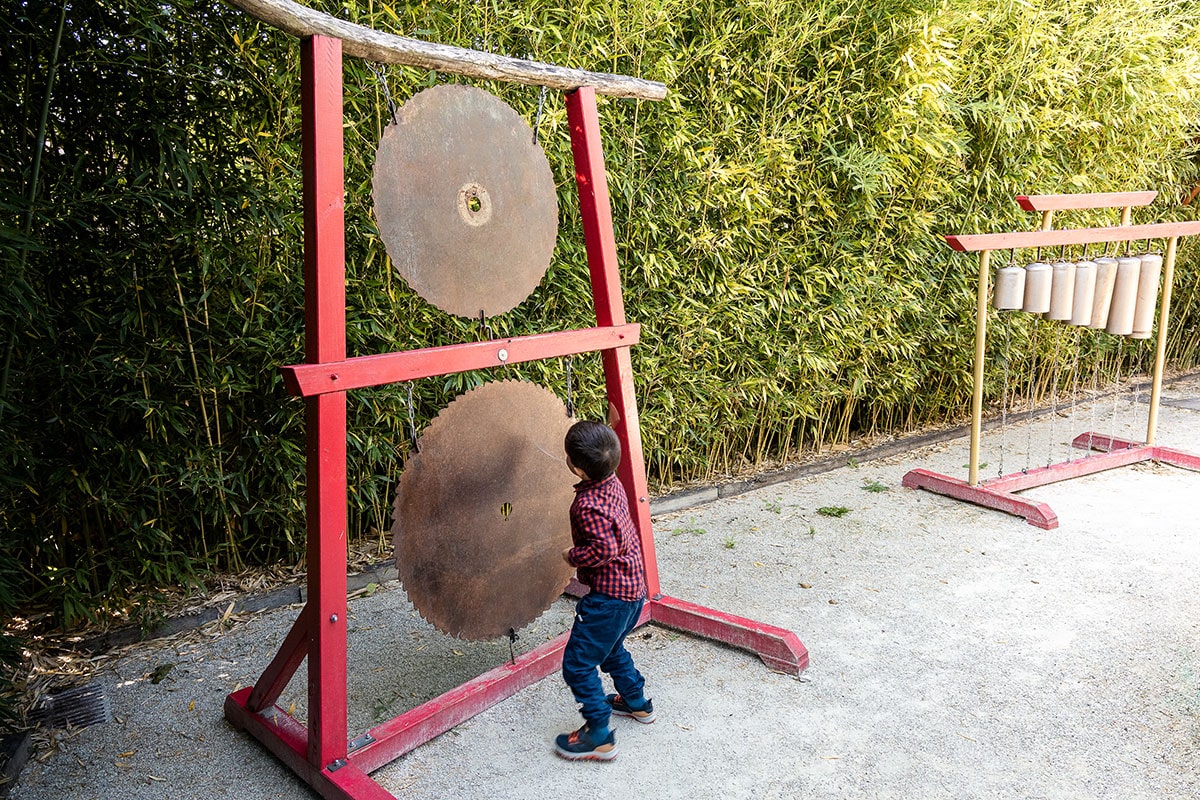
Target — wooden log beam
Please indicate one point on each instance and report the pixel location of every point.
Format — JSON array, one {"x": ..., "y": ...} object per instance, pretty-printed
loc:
[{"x": 387, "y": 48}]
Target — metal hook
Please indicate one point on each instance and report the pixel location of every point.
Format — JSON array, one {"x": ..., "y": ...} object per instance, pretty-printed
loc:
[
  {"x": 387, "y": 93},
  {"x": 537, "y": 121},
  {"x": 412, "y": 426},
  {"x": 570, "y": 387}
]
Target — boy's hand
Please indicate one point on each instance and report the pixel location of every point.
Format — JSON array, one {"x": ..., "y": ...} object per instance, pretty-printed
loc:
[{"x": 566, "y": 555}]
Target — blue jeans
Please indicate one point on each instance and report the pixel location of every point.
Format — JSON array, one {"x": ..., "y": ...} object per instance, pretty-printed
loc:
[{"x": 598, "y": 640}]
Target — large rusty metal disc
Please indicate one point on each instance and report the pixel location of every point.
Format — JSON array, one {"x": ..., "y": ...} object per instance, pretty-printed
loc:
[
  {"x": 465, "y": 201},
  {"x": 482, "y": 511}
]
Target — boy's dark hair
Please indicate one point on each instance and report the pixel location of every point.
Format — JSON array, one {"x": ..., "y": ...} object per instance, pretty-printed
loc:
[{"x": 594, "y": 448}]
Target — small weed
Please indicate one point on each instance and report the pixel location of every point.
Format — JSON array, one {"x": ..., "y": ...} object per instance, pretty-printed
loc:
[
  {"x": 833, "y": 511},
  {"x": 852, "y": 463},
  {"x": 875, "y": 486},
  {"x": 691, "y": 528},
  {"x": 730, "y": 542},
  {"x": 981, "y": 466},
  {"x": 773, "y": 506}
]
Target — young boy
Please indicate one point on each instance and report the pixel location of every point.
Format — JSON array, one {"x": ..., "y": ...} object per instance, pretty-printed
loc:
[{"x": 608, "y": 558}]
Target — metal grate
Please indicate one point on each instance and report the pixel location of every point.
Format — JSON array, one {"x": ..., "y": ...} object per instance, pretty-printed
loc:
[{"x": 77, "y": 707}]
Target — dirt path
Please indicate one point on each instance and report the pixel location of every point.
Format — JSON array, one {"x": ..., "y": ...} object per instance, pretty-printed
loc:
[{"x": 956, "y": 653}]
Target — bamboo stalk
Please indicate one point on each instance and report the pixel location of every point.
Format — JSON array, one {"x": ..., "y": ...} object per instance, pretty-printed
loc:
[
  {"x": 977, "y": 382},
  {"x": 1164, "y": 314},
  {"x": 34, "y": 178},
  {"x": 386, "y": 48}
]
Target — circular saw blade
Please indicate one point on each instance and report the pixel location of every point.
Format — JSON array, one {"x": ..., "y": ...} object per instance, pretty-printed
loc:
[
  {"x": 481, "y": 515},
  {"x": 465, "y": 201}
]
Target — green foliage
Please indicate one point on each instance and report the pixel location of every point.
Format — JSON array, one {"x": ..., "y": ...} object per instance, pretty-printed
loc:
[
  {"x": 833, "y": 511},
  {"x": 691, "y": 527},
  {"x": 777, "y": 218}
]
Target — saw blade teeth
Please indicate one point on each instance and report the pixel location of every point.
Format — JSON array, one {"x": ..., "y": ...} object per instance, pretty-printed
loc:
[
  {"x": 482, "y": 507},
  {"x": 465, "y": 201}
]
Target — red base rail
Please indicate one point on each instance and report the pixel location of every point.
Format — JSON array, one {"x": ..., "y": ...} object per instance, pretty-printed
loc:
[
  {"x": 348, "y": 778},
  {"x": 1001, "y": 493}
]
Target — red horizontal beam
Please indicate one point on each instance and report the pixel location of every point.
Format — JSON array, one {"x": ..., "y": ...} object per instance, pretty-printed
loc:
[
  {"x": 306, "y": 380},
  {"x": 1075, "y": 202},
  {"x": 972, "y": 243}
]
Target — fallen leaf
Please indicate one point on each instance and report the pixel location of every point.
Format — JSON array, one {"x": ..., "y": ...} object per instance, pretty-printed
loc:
[
  {"x": 192, "y": 706},
  {"x": 832, "y": 602},
  {"x": 127, "y": 754},
  {"x": 806, "y": 586}
]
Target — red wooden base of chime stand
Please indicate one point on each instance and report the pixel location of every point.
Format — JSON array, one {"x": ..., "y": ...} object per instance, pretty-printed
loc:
[
  {"x": 1001, "y": 493},
  {"x": 322, "y": 754}
]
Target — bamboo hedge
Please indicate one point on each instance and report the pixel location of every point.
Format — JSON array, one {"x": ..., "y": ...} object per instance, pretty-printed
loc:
[{"x": 778, "y": 221}]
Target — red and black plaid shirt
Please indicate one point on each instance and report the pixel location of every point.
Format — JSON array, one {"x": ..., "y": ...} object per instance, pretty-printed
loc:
[{"x": 607, "y": 553}]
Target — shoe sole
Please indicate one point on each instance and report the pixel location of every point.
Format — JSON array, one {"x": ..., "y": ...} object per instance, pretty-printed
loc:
[
  {"x": 645, "y": 720},
  {"x": 594, "y": 755}
]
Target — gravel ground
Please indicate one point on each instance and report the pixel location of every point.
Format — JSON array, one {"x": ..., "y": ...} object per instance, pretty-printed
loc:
[{"x": 956, "y": 652}]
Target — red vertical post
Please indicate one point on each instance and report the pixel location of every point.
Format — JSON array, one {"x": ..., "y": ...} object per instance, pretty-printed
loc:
[
  {"x": 596, "y": 210},
  {"x": 325, "y": 340}
]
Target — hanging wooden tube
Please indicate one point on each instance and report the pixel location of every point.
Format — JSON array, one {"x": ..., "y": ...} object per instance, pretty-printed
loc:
[
  {"x": 1085, "y": 293},
  {"x": 1124, "y": 300},
  {"x": 1038, "y": 277},
  {"x": 1147, "y": 296},
  {"x": 1062, "y": 291},
  {"x": 1009, "y": 293},
  {"x": 1106, "y": 278}
]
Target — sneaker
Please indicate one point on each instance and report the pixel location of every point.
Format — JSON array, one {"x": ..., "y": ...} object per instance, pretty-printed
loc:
[
  {"x": 579, "y": 746},
  {"x": 643, "y": 715}
]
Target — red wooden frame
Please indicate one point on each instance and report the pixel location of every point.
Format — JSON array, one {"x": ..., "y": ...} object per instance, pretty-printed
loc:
[{"x": 322, "y": 754}]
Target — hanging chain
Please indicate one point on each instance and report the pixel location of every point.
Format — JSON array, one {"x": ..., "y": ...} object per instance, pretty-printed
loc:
[
  {"x": 381, "y": 76},
  {"x": 512, "y": 640},
  {"x": 1033, "y": 357},
  {"x": 1077, "y": 335},
  {"x": 1004, "y": 397},
  {"x": 537, "y": 120},
  {"x": 1054, "y": 378},
  {"x": 1095, "y": 398},
  {"x": 487, "y": 328},
  {"x": 570, "y": 388},
  {"x": 1116, "y": 389},
  {"x": 412, "y": 425}
]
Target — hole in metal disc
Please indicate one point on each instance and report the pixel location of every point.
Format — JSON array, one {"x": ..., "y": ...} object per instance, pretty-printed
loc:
[{"x": 474, "y": 204}]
